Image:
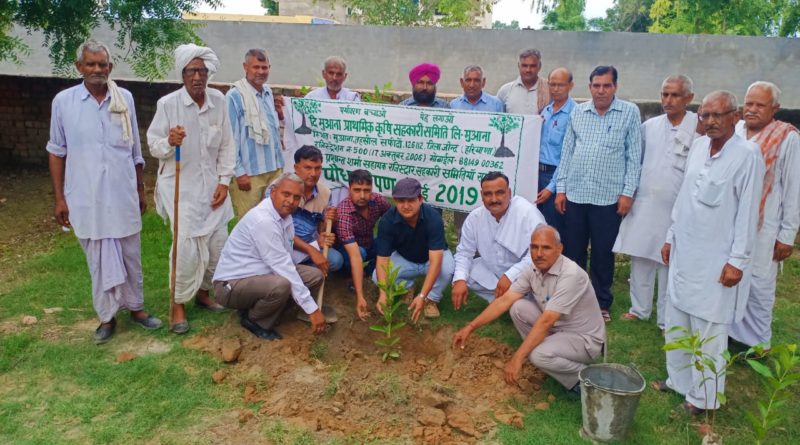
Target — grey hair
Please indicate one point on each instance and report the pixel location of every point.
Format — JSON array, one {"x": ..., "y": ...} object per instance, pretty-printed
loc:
[
  {"x": 543, "y": 226},
  {"x": 733, "y": 103},
  {"x": 530, "y": 52},
  {"x": 471, "y": 68},
  {"x": 287, "y": 176},
  {"x": 93, "y": 46},
  {"x": 687, "y": 85},
  {"x": 258, "y": 53},
  {"x": 769, "y": 86},
  {"x": 335, "y": 60}
]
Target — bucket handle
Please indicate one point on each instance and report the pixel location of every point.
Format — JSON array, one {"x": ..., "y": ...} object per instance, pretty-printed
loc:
[{"x": 588, "y": 383}]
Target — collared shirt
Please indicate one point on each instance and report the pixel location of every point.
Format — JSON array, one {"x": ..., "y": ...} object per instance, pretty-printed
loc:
[
  {"x": 412, "y": 243},
  {"x": 554, "y": 128},
  {"x": 207, "y": 159},
  {"x": 344, "y": 94},
  {"x": 714, "y": 222},
  {"x": 518, "y": 98},
  {"x": 565, "y": 288},
  {"x": 352, "y": 227},
  {"x": 486, "y": 102},
  {"x": 260, "y": 244},
  {"x": 311, "y": 212},
  {"x": 100, "y": 175},
  {"x": 601, "y": 155},
  {"x": 437, "y": 103},
  {"x": 503, "y": 245},
  {"x": 251, "y": 158}
]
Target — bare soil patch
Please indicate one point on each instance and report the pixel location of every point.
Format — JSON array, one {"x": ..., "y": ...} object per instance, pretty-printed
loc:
[{"x": 336, "y": 384}]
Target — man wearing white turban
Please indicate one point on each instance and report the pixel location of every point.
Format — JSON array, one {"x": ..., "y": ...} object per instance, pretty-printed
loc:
[{"x": 194, "y": 117}]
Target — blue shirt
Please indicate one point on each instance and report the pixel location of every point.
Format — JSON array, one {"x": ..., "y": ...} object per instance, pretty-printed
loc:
[
  {"x": 486, "y": 102},
  {"x": 254, "y": 159},
  {"x": 412, "y": 243},
  {"x": 308, "y": 216},
  {"x": 437, "y": 103},
  {"x": 553, "y": 129},
  {"x": 601, "y": 155}
]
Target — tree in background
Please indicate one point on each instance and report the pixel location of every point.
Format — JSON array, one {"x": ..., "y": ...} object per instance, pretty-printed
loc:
[
  {"x": 733, "y": 17},
  {"x": 147, "y": 30},
  {"x": 564, "y": 15},
  {"x": 500, "y": 25},
  {"x": 453, "y": 13},
  {"x": 272, "y": 7},
  {"x": 625, "y": 16}
]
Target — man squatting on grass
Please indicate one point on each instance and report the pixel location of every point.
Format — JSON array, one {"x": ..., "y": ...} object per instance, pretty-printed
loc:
[{"x": 95, "y": 158}]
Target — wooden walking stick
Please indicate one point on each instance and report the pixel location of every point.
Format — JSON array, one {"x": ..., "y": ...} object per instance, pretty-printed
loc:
[
  {"x": 327, "y": 311},
  {"x": 175, "y": 233}
]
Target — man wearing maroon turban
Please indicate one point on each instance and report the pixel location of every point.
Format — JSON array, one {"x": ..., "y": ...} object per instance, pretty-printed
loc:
[{"x": 423, "y": 79}]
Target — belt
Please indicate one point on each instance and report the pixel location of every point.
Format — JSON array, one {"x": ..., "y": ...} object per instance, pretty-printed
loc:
[{"x": 547, "y": 168}]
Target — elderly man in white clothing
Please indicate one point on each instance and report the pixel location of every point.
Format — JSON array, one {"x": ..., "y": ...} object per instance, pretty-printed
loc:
[
  {"x": 666, "y": 140},
  {"x": 95, "y": 159},
  {"x": 709, "y": 247},
  {"x": 196, "y": 118},
  {"x": 334, "y": 72},
  {"x": 498, "y": 231},
  {"x": 779, "y": 215}
]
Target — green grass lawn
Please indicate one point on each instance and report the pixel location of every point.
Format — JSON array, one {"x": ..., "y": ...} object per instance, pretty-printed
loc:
[{"x": 56, "y": 386}]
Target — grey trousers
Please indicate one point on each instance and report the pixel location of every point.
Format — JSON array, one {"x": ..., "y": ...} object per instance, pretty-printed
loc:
[
  {"x": 562, "y": 355},
  {"x": 265, "y": 297}
]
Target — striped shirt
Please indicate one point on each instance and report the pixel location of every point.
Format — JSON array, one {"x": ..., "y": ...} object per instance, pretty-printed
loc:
[
  {"x": 254, "y": 159},
  {"x": 601, "y": 155}
]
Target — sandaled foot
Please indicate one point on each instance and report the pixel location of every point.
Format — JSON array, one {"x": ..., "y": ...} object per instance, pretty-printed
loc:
[
  {"x": 660, "y": 385},
  {"x": 431, "y": 311},
  {"x": 628, "y": 316},
  {"x": 691, "y": 410}
]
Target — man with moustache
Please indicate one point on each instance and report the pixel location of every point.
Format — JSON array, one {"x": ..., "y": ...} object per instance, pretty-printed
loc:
[
  {"x": 778, "y": 212},
  {"x": 498, "y": 230},
  {"x": 95, "y": 159},
  {"x": 709, "y": 248},
  {"x": 474, "y": 98},
  {"x": 256, "y": 274},
  {"x": 334, "y": 72},
  {"x": 423, "y": 79},
  {"x": 194, "y": 117},
  {"x": 597, "y": 178},
  {"x": 666, "y": 140},
  {"x": 556, "y": 119},
  {"x": 528, "y": 94},
  {"x": 256, "y": 133}
]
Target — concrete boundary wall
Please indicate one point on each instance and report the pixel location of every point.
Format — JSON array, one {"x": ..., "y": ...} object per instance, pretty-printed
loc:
[{"x": 377, "y": 55}]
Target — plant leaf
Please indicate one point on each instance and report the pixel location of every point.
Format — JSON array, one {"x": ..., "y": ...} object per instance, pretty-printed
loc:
[{"x": 760, "y": 368}]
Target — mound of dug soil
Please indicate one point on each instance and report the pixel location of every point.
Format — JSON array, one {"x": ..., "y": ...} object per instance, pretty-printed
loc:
[{"x": 336, "y": 384}]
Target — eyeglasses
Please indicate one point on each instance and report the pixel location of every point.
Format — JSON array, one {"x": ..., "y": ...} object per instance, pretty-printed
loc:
[
  {"x": 191, "y": 72},
  {"x": 715, "y": 116}
]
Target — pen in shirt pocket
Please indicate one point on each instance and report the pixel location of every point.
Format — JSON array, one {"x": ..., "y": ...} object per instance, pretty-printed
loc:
[{"x": 609, "y": 129}]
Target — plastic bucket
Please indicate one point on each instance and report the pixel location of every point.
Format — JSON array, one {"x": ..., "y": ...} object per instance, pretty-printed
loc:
[{"x": 609, "y": 396}]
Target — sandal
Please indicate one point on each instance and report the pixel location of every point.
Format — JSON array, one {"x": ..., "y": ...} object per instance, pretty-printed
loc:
[
  {"x": 628, "y": 316},
  {"x": 606, "y": 315},
  {"x": 690, "y": 409},
  {"x": 660, "y": 385}
]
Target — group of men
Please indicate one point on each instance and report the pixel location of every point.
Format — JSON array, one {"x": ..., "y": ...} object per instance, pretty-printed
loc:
[{"x": 706, "y": 217}]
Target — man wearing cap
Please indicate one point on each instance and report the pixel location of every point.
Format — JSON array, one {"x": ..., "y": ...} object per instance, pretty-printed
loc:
[
  {"x": 423, "y": 79},
  {"x": 411, "y": 236},
  {"x": 194, "y": 117}
]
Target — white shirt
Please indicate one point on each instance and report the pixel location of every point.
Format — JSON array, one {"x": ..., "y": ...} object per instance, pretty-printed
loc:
[
  {"x": 518, "y": 98},
  {"x": 503, "y": 245},
  {"x": 207, "y": 159},
  {"x": 100, "y": 175},
  {"x": 665, "y": 149},
  {"x": 344, "y": 94},
  {"x": 782, "y": 208},
  {"x": 714, "y": 222},
  {"x": 260, "y": 244}
]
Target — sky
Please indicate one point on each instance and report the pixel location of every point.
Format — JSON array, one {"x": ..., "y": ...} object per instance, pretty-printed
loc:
[{"x": 504, "y": 11}]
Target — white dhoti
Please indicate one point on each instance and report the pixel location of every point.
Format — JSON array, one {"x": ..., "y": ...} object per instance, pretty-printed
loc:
[
  {"x": 684, "y": 378},
  {"x": 644, "y": 273},
  {"x": 115, "y": 265},
  {"x": 197, "y": 261}
]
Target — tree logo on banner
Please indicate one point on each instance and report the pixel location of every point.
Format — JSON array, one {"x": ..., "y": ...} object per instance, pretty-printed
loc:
[
  {"x": 305, "y": 107},
  {"x": 504, "y": 124}
]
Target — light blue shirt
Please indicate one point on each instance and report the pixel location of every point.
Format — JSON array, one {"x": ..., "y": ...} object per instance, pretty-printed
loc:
[
  {"x": 486, "y": 102},
  {"x": 344, "y": 94},
  {"x": 254, "y": 159},
  {"x": 601, "y": 155},
  {"x": 554, "y": 128}
]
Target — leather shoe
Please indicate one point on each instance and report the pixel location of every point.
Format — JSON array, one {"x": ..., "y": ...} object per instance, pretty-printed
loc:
[
  {"x": 258, "y": 331},
  {"x": 213, "y": 306},
  {"x": 148, "y": 322},
  {"x": 104, "y": 332}
]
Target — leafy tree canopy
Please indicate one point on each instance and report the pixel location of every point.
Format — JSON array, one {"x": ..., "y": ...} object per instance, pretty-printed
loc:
[
  {"x": 500, "y": 25},
  {"x": 452, "y": 13},
  {"x": 147, "y": 30}
]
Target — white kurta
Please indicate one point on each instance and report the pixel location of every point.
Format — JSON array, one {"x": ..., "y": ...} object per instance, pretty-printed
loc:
[
  {"x": 207, "y": 159},
  {"x": 503, "y": 245},
  {"x": 781, "y": 221},
  {"x": 665, "y": 150},
  {"x": 714, "y": 222}
]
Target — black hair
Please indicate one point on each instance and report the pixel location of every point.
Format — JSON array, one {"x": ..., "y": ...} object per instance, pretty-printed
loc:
[
  {"x": 602, "y": 70},
  {"x": 491, "y": 176},
  {"x": 309, "y": 152},
  {"x": 360, "y": 176}
]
